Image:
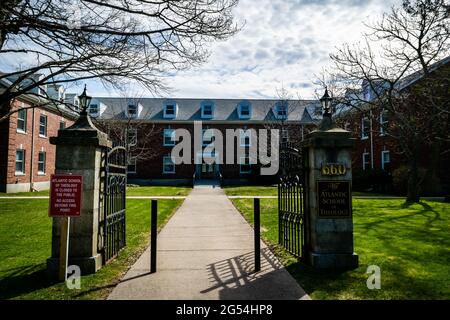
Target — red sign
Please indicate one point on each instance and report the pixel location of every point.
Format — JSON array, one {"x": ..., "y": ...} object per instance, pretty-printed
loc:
[{"x": 65, "y": 195}]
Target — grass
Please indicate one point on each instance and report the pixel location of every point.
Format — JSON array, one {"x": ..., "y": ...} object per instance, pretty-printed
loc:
[
  {"x": 131, "y": 191},
  {"x": 251, "y": 190},
  {"x": 410, "y": 243},
  {"x": 25, "y": 237}
]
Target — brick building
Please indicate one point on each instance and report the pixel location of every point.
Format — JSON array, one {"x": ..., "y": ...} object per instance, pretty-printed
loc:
[
  {"x": 150, "y": 124},
  {"x": 378, "y": 151},
  {"x": 27, "y": 159}
]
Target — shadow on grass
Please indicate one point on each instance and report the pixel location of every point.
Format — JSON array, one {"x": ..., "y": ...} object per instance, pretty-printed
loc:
[{"x": 23, "y": 280}]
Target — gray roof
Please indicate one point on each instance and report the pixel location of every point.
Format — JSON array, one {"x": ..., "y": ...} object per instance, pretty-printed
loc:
[{"x": 152, "y": 109}]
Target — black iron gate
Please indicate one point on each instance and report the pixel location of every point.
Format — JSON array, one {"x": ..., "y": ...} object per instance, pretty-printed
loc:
[
  {"x": 114, "y": 196},
  {"x": 291, "y": 200}
]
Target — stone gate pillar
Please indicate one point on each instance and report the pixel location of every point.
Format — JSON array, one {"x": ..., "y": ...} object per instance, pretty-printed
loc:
[
  {"x": 328, "y": 174},
  {"x": 79, "y": 151}
]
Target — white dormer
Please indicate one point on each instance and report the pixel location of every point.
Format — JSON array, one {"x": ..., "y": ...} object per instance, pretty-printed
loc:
[
  {"x": 207, "y": 109},
  {"x": 61, "y": 94},
  {"x": 170, "y": 109},
  {"x": 133, "y": 109},
  {"x": 280, "y": 110},
  {"x": 96, "y": 108},
  {"x": 244, "y": 110}
]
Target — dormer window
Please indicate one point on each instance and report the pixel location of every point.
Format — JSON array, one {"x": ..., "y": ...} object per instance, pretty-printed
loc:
[
  {"x": 93, "y": 110},
  {"x": 170, "y": 110},
  {"x": 132, "y": 110},
  {"x": 281, "y": 110},
  {"x": 244, "y": 110},
  {"x": 207, "y": 110}
]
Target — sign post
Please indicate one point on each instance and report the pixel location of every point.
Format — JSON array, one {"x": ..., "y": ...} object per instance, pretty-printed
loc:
[{"x": 65, "y": 202}]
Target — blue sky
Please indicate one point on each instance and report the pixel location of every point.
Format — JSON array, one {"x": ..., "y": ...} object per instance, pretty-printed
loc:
[{"x": 284, "y": 43}]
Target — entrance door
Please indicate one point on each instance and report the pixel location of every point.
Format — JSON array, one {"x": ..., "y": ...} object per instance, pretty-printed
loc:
[{"x": 208, "y": 171}]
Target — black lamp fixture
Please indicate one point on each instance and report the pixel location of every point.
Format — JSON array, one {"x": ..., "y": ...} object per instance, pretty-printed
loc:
[
  {"x": 327, "y": 121},
  {"x": 85, "y": 100},
  {"x": 326, "y": 103}
]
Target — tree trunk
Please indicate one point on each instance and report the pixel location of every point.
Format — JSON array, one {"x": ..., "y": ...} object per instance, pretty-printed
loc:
[{"x": 413, "y": 194}]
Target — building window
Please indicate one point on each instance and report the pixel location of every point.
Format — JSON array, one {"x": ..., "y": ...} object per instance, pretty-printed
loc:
[
  {"x": 43, "y": 125},
  {"x": 245, "y": 138},
  {"x": 170, "y": 110},
  {"x": 132, "y": 137},
  {"x": 132, "y": 110},
  {"x": 207, "y": 110},
  {"x": 20, "y": 162},
  {"x": 281, "y": 110},
  {"x": 62, "y": 125},
  {"x": 22, "y": 120},
  {"x": 284, "y": 135},
  {"x": 244, "y": 165},
  {"x": 131, "y": 168},
  {"x": 41, "y": 163},
  {"x": 365, "y": 128},
  {"x": 93, "y": 109},
  {"x": 207, "y": 137},
  {"x": 385, "y": 160},
  {"x": 366, "y": 160},
  {"x": 384, "y": 121},
  {"x": 169, "y": 137},
  {"x": 244, "y": 110},
  {"x": 168, "y": 165}
]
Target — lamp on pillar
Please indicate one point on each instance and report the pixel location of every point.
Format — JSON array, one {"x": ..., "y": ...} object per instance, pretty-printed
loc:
[
  {"x": 85, "y": 101},
  {"x": 326, "y": 101},
  {"x": 83, "y": 121}
]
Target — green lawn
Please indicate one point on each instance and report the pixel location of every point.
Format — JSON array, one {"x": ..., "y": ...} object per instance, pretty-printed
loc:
[
  {"x": 25, "y": 238},
  {"x": 411, "y": 245},
  {"x": 131, "y": 191},
  {"x": 251, "y": 190}
]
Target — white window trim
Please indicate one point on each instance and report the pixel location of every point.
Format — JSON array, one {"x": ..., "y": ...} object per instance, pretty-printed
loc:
[
  {"x": 135, "y": 137},
  {"x": 42, "y": 173},
  {"x": 382, "y": 123},
  {"x": 20, "y": 173},
  {"x": 278, "y": 106},
  {"x": 382, "y": 158},
  {"x": 24, "y": 120},
  {"x": 364, "y": 164},
  {"x": 175, "y": 111},
  {"x": 242, "y": 116},
  {"x": 46, "y": 126},
  {"x": 173, "y": 138},
  {"x": 164, "y": 165},
  {"x": 132, "y": 161},
  {"x": 209, "y": 104},
  {"x": 363, "y": 137},
  {"x": 132, "y": 115},
  {"x": 94, "y": 114},
  {"x": 242, "y": 163}
]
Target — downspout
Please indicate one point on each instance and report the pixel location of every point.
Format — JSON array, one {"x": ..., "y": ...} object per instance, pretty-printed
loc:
[
  {"x": 32, "y": 151},
  {"x": 371, "y": 141}
]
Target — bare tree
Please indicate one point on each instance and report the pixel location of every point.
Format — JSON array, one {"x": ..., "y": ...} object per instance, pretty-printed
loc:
[
  {"x": 397, "y": 67},
  {"x": 62, "y": 41},
  {"x": 131, "y": 128}
]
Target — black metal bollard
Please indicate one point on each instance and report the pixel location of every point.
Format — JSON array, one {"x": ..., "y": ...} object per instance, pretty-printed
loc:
[
  {"x": 153, "y": 235},
  {"x": 257, "y": 223}
]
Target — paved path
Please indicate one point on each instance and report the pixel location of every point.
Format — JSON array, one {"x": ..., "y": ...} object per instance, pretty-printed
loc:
[{"x": 206, "y": 252}]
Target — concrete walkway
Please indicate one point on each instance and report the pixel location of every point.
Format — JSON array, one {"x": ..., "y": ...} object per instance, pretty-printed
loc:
[{"x": 206, "y": 252}]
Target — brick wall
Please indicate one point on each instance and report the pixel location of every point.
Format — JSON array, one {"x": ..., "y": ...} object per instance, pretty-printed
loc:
[{"x": 24, "y": 140}]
